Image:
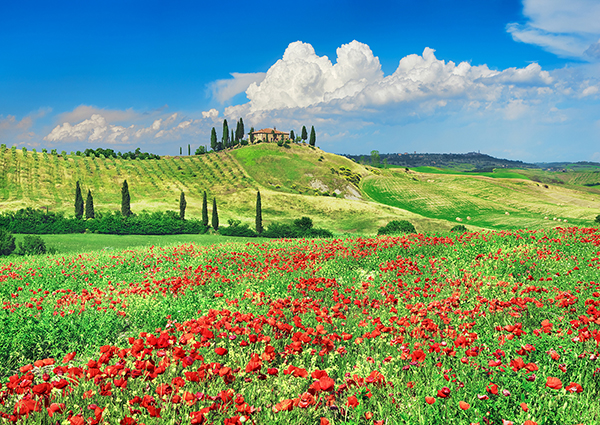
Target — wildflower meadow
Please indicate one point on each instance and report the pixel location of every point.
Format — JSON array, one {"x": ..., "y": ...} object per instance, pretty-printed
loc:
[{"x": 496, "y": 327}]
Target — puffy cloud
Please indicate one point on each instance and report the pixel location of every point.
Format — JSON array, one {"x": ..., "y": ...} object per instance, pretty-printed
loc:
[
  {"x": 224, "y": 90},
  {"x": 212, "y": 113},
  {"x": 355, "y": 84},
  {"x": 84, "y": 112},
  {"x": 14, "y": 130},
  {"x": 567, "y": 28}
]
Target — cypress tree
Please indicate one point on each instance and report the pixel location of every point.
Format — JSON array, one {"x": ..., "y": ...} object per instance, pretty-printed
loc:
[
  {"x": 241, "y": 134},
  {"x": 189, "y": 150},
  {"x": 78, "y": 201},
  {"x": 215, "y": 215},
  {"x": 304, "y": 133},
  {"x": 259, "y": 226},
  {"x": 225, "y": 140},
  {"x": 180, "y": 150},
  {"x": 232, "y": 139},
  {"x": 89, "y": 206},
  {"x": 292, "y": 136},
  {"x": 125, "y": 200},
  {"x": 313, "y": 136},
  {"x": 182, "y": 205},
  {"x": 251, "y": 137},
  {"x": 204, "y": 210},
  {"x": 213, "y": 139}
]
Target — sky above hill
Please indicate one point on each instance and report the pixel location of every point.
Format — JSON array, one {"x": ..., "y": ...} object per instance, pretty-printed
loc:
[{"x": 513, "y": 79}]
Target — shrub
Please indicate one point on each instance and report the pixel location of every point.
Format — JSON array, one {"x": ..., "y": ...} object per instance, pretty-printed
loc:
[
  {"x": 598, "y": 219},
  {"x": 397, "y": 226},
  {"x": 32, "y": 245},
  {"x": 279, "y": 230},
  {"x": 303, "y": 223},
  {"x": 237, "y": 229},
  {"x": 7, "y": 242},
  {"x": 459, "y": 228}
]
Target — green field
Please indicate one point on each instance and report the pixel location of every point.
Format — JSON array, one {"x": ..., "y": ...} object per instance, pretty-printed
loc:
[{"x": 298, "y": 181}]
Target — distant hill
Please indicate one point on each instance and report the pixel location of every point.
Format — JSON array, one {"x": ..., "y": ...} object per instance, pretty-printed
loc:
[{"x": 472, "y": 161}]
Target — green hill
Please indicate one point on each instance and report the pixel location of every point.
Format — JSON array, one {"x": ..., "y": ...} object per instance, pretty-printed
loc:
[{"x": 299, "y": 180}]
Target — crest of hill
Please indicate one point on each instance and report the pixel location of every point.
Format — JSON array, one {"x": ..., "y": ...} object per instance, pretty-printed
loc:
[{"x": 472, "y": 161}]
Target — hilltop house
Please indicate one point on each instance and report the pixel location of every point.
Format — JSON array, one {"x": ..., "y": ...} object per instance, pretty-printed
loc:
[{"x": 270, "y": 135}]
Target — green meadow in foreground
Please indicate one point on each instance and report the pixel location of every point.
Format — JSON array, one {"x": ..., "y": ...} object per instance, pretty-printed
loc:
[{"x": 482, "y": 327}]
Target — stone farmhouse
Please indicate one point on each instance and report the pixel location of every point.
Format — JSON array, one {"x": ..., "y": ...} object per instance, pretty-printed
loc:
[{"x": 270, "y": 135}]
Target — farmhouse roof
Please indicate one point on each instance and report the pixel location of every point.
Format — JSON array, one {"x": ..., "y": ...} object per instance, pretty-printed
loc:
[{"x": 269, "y": 131}]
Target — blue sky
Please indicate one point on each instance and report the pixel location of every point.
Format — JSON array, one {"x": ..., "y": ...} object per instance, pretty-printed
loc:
[{"x": 514, "y": 79}]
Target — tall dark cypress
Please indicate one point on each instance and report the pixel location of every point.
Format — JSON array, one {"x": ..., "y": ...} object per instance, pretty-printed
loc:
[
  {"x": 215, "y": 215},
  {"x": 204, "y": 210},
  {"x": 213, "y": 139},
  {"x": 78, "y": 201},
  {"x": 304, "y": 133},
  {"x": 89, "y": 206},
  {"x": 182, "y": 205},
  {"x": 189, "y": 150},
  {"x": 292, "y": 136},
  {"x": 125, "y": 200},
  {"x": 225, "y": 140},
  {"x": 259, "y": 226},
  {"x": 313, "y": 136}
]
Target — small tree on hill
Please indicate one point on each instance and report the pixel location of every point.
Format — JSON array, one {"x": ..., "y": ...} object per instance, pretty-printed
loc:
[
  {"x": 215, "y": 215},
  {"x": 259, "y": 226},
  {"x": 189, "y": 150},
  {"x": 78, "y": 201},
  {"x": 313, "y": 136},
  {"x": 204, "y": 210},
  {"x": 213, "y": 139},
  {"x": 375, "y": 158},
  {"x": 239, "y": 132},
  {"x": 292, "y": 135},
  {"x": 182, "y": 205},
  {"x": 304, "y": 133},
  {"x": 125, "y": 200},
  {"x": 251, "y": 135},
  {"x": 225, "y": 140},
  {"x": 89, "y": 206}
]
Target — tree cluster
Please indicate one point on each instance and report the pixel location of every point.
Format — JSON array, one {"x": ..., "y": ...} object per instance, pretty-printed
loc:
[{"x": 109, "y": 153}]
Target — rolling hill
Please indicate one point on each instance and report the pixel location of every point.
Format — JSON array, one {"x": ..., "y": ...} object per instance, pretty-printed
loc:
[{"x": 339, "y": 194}]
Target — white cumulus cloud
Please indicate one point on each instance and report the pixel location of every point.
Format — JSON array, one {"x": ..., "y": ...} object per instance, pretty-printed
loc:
[
  {"x": 225, "y": 89},
  {"x": 567, "y": 28}
]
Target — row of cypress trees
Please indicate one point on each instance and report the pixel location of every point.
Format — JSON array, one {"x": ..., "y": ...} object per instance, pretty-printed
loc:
[{"x": 126, "y": 207}]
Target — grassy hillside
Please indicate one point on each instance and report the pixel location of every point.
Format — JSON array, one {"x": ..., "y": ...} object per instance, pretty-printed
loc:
[
  {"x": 486, "y": 200},
  {"x": 336, "y": 192}
]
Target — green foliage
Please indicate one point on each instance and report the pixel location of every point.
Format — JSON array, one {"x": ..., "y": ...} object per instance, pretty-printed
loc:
[
  {"x": 301, "y": 228},
  {"x": 251, "y": 137},
  {"x": 397, "y": 226},
  {"x": 204, "y": 210},
  {"x": 304, "y": 133},
  {"x": 7, "y": 242},
  {"x": 225, "y": 138},
  {"x": 304, "y": 223},
  {"x": 349, "y": 175},
  {"x": 182, "y": 205},
  {"x": 313, "y": 136},
  {"x": 213, "y": 139},
  {"x": 109, "y": 153},
  {"x": 89, "y": 206},
  {"x": 125, "y": 200},
  {"x": 32, "y": 245},
  {"x": 375, "y": 159},
  {"x": 215, "y": 215},
  {"x": 78, "y": 201},
  {"x": 258, "y": 219},
  {"x": 292, "y": 135},
  {"x": 201, "y": 150},
  {"x": 459, "y": 228},
  {"x": 598, "y": 218},
  {"x": 237, "y": 229}
]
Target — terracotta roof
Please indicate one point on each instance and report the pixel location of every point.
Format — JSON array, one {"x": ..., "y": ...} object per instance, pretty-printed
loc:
[{"x": 269, "y": 131}]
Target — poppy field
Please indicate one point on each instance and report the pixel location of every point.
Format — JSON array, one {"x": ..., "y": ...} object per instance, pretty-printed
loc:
[{"x": 497, "y": 327}]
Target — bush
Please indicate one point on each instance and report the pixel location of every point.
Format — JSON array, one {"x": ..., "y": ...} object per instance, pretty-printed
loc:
[
  {"x": 301, "y": 228},
  {"x": 237, "y": 229},
  {"x": 598, "y": 219},
  {"x": 397, "y": 226},
  {"x": 459, "y": 228},
  {"x": 32, "y": 245},
  {"x": 303, "y": 223},
  {"x": 279, "y": 230},
  {"x": 7, "y": 242}
]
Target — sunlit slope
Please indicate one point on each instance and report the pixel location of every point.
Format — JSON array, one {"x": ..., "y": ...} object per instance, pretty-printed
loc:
[
  {"x": 41, "y": 180},
  {"x": 485, "y": 200},
  {"x": 299, "y": 169}
]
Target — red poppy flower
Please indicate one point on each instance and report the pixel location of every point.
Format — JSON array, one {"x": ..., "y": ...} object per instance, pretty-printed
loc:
[
  {"x": 326, "y": 383},
  {"x": 352, "y": 401},
  {"x": 524, "y": 407},
  {"x": 429, "y": 400},
  {"x": 492, "y": 388},
  {"x": 418, "y": 356},
  {"x": 554, "y": 383},
  {"x": 574, "y": 388},
  {"x": 463, "y": 405},
  {"x": 221, "y": 351}
]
